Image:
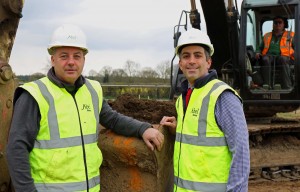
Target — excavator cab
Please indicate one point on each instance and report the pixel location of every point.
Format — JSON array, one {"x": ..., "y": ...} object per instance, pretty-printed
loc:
[{"x": 256, "y": 21}]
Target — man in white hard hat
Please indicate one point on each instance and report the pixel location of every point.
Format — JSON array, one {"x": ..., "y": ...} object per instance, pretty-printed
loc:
[
  {"x": 211, "y": 151},
  {"x": 52, "y": 143}
]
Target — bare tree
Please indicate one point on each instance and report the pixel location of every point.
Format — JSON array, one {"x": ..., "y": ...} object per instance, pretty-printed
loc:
[
  {"x": 119, "y": 73},
  {"x": 106, "y": 70},
  {"x": 148, "y": 72},
  {"x": 164, "y": 69},
  {"x": 93, "y": 73},
  {"x": 131, "y": 68}
]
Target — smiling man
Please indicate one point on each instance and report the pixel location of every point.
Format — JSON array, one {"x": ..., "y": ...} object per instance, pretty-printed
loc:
[
  {"x": 211, "y": 151},
  {"x": 68, "y": 63},
  {"x": 53, "y": 139}
]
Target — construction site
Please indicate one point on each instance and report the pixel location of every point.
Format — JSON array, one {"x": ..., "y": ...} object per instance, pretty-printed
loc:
[{"x": 272, "y": 114}]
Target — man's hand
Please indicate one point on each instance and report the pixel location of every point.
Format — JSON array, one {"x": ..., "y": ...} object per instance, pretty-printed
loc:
[
  {"x": 257, "y": 56},
  {"x": 170, "y": 122},
  {"x": 153, "y": 139}
]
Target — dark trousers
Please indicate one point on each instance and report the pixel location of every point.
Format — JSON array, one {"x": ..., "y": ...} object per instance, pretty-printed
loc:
[{"x": 282, "y": 64}]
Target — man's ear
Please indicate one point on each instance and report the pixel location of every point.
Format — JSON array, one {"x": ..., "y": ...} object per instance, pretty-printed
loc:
[
  {"x": 52, "y": 61},
  {"x": 180, "y": 64},
  {"x": 209, "y": 62}
]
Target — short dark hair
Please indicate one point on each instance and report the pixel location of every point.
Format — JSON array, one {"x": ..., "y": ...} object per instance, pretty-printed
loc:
[
  {"x": 285, "y": 21},
  {"x": 206, "y": 49}
]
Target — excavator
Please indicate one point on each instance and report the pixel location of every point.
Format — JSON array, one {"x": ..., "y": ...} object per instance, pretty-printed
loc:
[
  {"x": 10, "y": 14},
  {"x": 236, "y": 35}
]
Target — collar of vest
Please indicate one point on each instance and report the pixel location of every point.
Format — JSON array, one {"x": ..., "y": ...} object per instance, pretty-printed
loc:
[
  {"x": 70, "y": 88},
  {"x": 200, "y": 82}
]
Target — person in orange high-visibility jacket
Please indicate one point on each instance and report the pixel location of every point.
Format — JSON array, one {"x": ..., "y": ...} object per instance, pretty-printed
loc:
[
  {"x": 53, "y": 139},
  {"x": 277, "y": 46}
]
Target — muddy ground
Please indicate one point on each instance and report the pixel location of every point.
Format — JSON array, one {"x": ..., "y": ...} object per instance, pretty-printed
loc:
[{"x": 152, "y": 111}]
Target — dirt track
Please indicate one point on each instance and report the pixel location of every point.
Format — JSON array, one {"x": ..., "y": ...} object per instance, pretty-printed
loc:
[
  {"x": 272, "y": 186},
  {"x": 152, "y": 112}
]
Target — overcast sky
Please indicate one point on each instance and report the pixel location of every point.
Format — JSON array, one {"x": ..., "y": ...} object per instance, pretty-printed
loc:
[
  {"x": 117, "y": 31},
  {"x": 141, "y": 31}
]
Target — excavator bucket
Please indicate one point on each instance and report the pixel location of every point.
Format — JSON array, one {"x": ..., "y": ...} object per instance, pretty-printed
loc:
[{"x": 10, "y": 14}]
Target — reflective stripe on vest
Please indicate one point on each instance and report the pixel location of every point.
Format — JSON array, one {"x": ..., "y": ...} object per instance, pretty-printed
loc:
[
  {"x": 57, "y": 158},
  {"x": 201, "y": 154},
  {"x": 56, "y": 141},
  {"x": 76, "y": 186},
  {"x": 186, "y": 185},
  {"x": 286, "y": 48}
]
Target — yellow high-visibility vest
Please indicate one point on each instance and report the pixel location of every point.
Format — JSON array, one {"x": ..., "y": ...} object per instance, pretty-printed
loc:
[
  {"x": 201, "y": 155},
  {"x": 67, "y": 125}
]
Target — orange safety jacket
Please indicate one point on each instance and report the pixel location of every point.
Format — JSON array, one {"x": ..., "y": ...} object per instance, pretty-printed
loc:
[{"x": 286, "y": 48}]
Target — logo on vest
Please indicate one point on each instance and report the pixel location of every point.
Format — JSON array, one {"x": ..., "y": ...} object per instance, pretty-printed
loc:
[
  {"x": 86, "y": 107},
  {"x": 195, "y": 112}
]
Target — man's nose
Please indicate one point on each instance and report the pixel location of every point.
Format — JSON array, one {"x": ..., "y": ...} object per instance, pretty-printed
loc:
[
  {"x": 192, "y": 60},
  {"x": 71, "y": 60}
]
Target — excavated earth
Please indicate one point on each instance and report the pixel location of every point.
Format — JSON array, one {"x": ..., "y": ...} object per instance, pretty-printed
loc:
[
  {"x": 153, "y": 110},
  {"x": 143, "y": 109}
]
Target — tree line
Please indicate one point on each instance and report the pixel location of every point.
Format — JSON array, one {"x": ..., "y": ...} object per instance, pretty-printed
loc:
[
  {"x": 132, "y": 73},
  {"x": 113, "y": 80}
]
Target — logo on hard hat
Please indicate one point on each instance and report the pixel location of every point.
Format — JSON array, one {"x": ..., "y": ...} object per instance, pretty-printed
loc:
[{"x": 72, "y": 37}]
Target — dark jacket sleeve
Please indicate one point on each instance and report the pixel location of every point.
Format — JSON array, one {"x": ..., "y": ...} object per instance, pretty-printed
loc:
[
  {"x": 120, "y": 123},
  {"x": 22, "y": 134}
]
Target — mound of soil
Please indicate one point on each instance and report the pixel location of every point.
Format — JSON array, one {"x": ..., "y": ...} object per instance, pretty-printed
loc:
[{"x": 150, "y": 111}]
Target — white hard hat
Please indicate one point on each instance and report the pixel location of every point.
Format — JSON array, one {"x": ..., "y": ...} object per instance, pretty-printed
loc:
[
  {"x": 68, "y": 35},
  {"x": 194, "y": 36}
]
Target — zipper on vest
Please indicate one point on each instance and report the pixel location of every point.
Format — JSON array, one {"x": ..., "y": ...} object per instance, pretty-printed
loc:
[{"x": 83, "y": 147}]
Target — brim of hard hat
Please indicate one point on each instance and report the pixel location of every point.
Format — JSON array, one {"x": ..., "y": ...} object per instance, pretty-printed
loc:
[
  {"x": 51, "y": 49},
  {"x": 211, "y": 49}
]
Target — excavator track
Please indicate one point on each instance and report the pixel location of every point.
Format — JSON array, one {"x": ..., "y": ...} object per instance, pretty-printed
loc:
[{"x": 273, "y": 144}]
